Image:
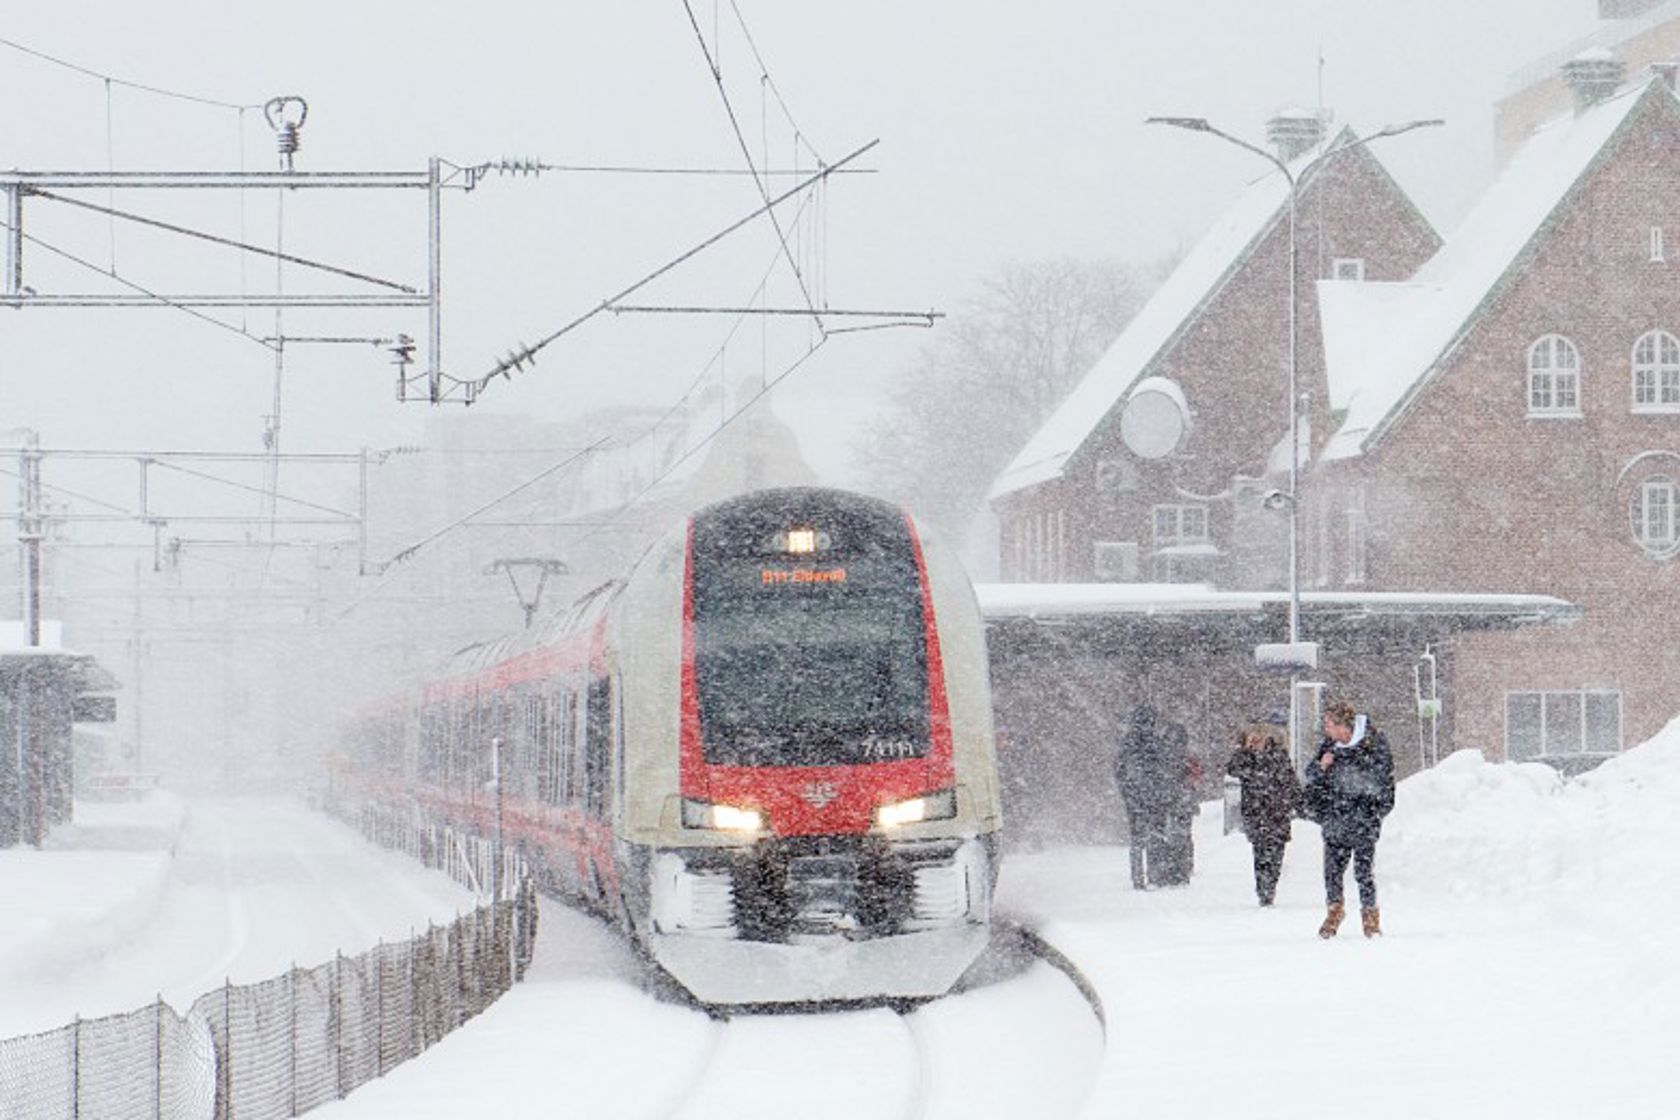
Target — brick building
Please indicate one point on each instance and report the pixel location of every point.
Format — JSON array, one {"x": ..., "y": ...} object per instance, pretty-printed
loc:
[
  {"x": 1510, "y": 421},
  {"x": 1496, "y": 424},
  {"x": 1078, "y": 504}
]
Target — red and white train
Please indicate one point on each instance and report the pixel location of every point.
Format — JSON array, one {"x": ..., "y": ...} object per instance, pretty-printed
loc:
[{"x": 767, "y": 752}]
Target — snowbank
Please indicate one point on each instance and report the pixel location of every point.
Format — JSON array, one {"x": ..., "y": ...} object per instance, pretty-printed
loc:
[{"x": 1470, "y": 827}]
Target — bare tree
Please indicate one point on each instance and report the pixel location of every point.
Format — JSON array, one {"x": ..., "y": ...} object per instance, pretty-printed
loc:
[{"x": 995, "y": 372}]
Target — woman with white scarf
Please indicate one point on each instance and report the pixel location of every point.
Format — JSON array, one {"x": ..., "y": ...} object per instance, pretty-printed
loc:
[{"x": 1349, "y": 790}]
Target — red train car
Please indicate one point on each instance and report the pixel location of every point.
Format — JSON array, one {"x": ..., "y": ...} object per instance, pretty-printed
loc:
[{"x": 767, "y": 752}]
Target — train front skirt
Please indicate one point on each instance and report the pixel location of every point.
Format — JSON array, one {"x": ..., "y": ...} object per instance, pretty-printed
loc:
[
  {"x": 821, "y": 920},
  {"x": 831, "y": 969}
]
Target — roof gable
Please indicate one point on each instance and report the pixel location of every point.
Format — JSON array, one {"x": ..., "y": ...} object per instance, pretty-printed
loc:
[
  {"x": 1384, "y": 343},
  {"x": 1177, "y": 305}
]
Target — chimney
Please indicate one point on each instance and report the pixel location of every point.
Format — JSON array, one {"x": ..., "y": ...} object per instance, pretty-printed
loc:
[
  {"x": 1669, "y": 72},
  {"x": 1592, "y": 76},
  {"x": 1294, "y": 132}
]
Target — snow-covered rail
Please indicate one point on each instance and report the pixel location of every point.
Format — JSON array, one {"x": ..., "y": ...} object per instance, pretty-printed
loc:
[
  {"x": 1024, "y": 1033},
  {"x": 1018, "y": 1037}
]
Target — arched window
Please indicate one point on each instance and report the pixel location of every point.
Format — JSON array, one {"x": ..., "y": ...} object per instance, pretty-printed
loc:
[
  {"x": 1656, "y": 516},
  {"x": 1554, "y": 377},
  {"x": 1656, "y": 373}
]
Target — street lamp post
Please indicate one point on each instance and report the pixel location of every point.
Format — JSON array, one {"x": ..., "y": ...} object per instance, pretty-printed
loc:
[{"x": 1293, "y": 497}]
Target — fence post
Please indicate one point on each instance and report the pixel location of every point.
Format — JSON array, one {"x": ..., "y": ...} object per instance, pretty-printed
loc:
[
  {"x": 157, "y": 1056},
  {"x": 291, "y": 992},
  {"x": 227, "y": 1050},
  {"x": 416, "y": 1037},
  {"x": 379, "y": 1007},
  {"x": 336, "y": 1010}
]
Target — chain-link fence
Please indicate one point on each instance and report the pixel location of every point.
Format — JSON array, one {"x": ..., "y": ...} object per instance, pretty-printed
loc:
[{"x": 284, "y": 1046}]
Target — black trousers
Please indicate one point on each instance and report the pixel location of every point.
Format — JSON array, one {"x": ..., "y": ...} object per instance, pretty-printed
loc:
[
  {"x": 1268, "y": 864},
  {"x": 1363, "y": 852}
]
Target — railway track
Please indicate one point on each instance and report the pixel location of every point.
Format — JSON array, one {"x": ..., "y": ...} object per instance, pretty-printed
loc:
[{"x": 1023, "y": 1032}]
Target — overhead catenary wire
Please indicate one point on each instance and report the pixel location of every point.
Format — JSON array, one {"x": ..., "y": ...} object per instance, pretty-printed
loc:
[
  {"x": 264, "y": 491},
  {"x": 609, "y": 523},
  {"x": 728, "y": 420},
  {"x": 527, "y": 353},
  {"x": 399, "y": 561},
  {"x": 147, "y": 292},
  {"x": 113, "y": 80},
  {"x": 746, "y": 153},
  {"x": 767, "y": 80},
  {"x": 201, "y": 235},
  {"x": 536, "y": 167}
]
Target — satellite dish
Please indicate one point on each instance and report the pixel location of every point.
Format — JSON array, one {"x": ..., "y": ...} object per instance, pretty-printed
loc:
[{"x": 1155, "y": 418}]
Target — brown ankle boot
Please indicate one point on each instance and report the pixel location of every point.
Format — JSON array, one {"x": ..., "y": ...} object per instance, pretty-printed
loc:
[
  {"x": 1368, "y": 918},
  {"x": 1332, "y": 920}
]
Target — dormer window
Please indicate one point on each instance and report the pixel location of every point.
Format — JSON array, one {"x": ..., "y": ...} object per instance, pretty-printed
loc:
[
  {"x": 1554, "y": 377},
  {"x": 1348, "y": 268},
  {"x": 1656, "y": 373},
  {"x": 1657, "y": 245}
]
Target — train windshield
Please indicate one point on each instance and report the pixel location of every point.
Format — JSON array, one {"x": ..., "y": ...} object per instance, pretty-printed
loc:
[{"x": 814, "y": 661}]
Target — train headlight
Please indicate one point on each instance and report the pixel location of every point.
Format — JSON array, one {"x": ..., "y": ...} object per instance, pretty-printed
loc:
[
  {"x": 723, "y": 818},
  {"x": 938, "y": 806}
]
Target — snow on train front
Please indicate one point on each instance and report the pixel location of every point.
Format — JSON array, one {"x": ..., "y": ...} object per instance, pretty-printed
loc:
[{"x": 826, "y": 827}]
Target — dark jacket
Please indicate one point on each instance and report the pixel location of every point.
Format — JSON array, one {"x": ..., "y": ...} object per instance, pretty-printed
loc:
[
  {"x": 1153, "y": 772},
  {"x": 1271, "y": 794},
  {"x": 1351, "y": 797}
]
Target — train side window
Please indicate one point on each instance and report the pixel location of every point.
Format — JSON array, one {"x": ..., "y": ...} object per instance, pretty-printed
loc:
[
  {"x": 529, "y": 750},
  {"x": 575, "y": 719},
  {"x": 543, "y": 745},
  {"x": 597, "y": 745},
  {"x": 564, "y": 718},
  {"x": 618, "y": 739}
]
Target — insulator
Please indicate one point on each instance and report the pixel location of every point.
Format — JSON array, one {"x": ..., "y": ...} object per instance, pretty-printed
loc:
[{"x": 287, "y": 139}]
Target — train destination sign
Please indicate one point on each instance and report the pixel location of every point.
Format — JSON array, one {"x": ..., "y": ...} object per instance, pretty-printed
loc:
[{"x": 778, "y": 576}]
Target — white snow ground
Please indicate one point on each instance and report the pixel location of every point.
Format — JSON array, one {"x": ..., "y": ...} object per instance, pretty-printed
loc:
[
  {"x": 165, "y": 898},
  {"x": 1526, "y": 971}
]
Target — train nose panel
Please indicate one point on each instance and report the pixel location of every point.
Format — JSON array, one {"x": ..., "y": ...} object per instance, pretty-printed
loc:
[{"x": 820, "y": 919}]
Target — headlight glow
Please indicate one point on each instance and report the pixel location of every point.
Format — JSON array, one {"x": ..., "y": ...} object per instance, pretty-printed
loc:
[
  {"x": 937, "y": 806},
  {"x": 723, "y": 818}
]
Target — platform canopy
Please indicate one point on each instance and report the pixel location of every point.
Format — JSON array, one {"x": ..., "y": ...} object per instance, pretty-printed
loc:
[{"x": 1176, "y": 617}]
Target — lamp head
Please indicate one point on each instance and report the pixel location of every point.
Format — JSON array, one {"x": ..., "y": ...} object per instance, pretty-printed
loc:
[{"x": 1193, "y": 124}]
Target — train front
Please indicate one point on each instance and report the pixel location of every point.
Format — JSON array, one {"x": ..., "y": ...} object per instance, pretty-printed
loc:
[{"x": 838, "y": 792}]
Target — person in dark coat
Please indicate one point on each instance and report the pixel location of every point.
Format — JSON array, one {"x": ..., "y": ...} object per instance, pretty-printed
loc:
[
  {"x": 1349, "y": 790},
  {"x": 1271, "y": 797},
  {"x": 1153, "y": 773}
]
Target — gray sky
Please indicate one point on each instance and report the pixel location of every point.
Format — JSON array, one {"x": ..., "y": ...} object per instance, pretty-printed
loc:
[{"x": 1007, "y": 132}]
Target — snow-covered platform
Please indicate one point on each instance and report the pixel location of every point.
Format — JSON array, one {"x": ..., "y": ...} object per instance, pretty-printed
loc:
[{"x": 161, "y": 896}]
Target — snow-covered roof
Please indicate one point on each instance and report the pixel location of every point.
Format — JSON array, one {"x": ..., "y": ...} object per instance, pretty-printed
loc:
[
  {"x": 1067, "y": 600},
  {"x": 1384, "y": 341},
  {"x": 1170, "y": 311}
]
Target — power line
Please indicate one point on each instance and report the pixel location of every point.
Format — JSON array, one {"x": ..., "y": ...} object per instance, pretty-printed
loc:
[
  {"x": 538, "y": 167},
  {"x": 141, "y": 219},
  {"x": 746, "y": 153},
  {"x": 528, "y": 353},
  {"x": 123, "y": 280},
  {"x": 764, "y": 76},
  {"x": 111, "y": 80},
  {"x": 707, "y": 439}
]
